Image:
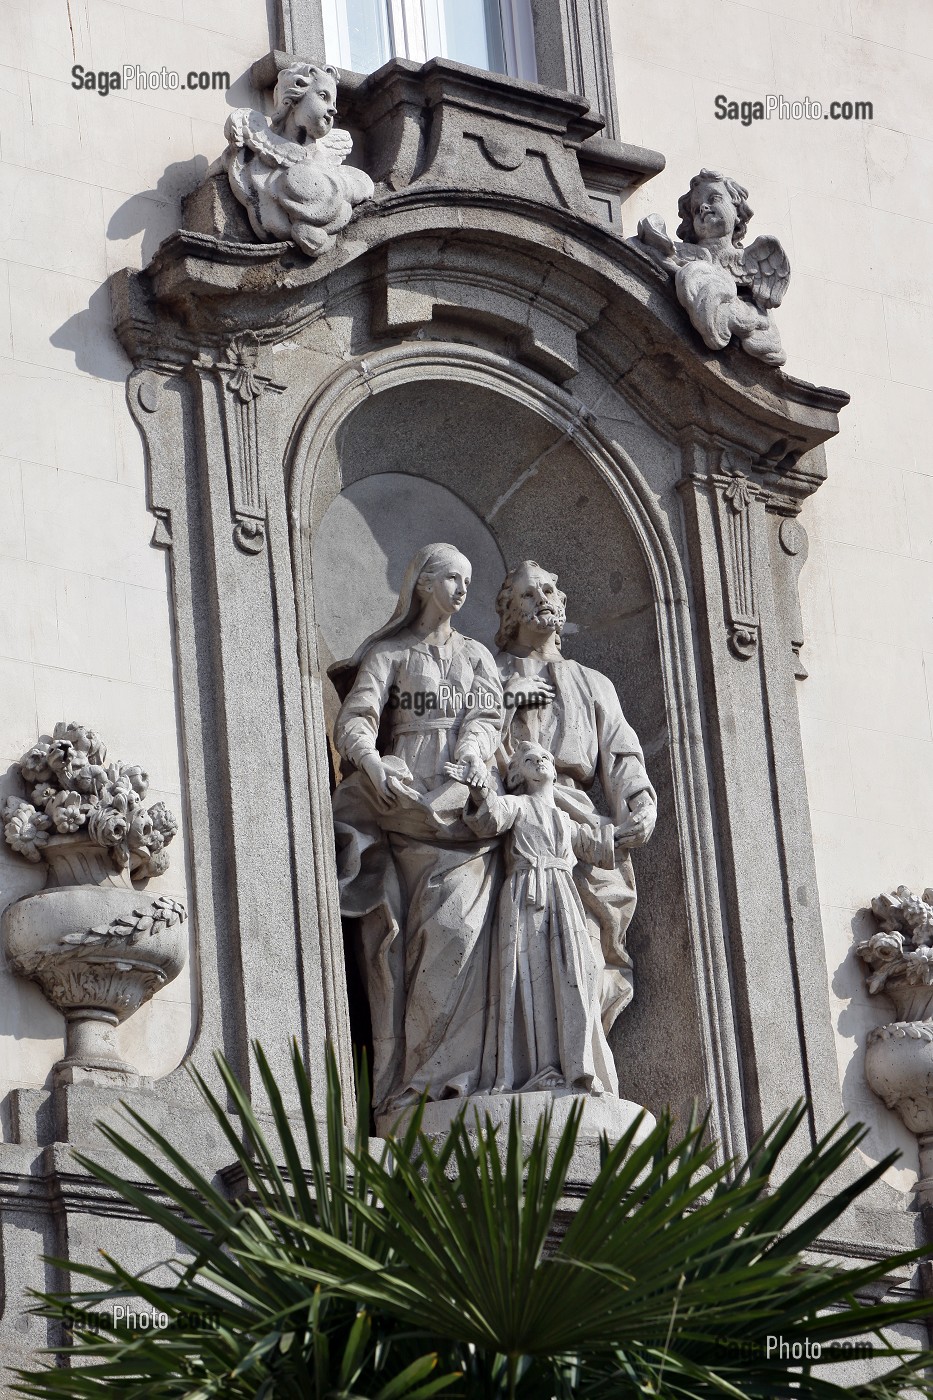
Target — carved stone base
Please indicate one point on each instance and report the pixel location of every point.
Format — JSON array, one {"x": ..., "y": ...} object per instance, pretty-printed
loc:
[
  {"x": 604, "y": 1114},
  {"x": 91, "y": 1053}
]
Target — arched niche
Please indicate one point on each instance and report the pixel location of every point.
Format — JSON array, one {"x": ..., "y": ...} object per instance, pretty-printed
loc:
[{"x": 452, "y": 448}]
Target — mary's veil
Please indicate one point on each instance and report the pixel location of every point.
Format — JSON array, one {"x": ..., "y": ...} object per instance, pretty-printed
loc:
[{"x": 343, "y": 673}]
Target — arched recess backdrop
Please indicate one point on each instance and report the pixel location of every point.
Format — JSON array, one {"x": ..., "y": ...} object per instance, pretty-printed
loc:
[{"x": 544, "y": 484}]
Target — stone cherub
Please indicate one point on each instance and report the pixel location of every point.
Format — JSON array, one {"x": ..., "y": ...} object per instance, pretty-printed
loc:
[
  {"x": 287, "y": 170},
  {"x": 549, "y": 1032},
  {"x": 726, "y": 290}
]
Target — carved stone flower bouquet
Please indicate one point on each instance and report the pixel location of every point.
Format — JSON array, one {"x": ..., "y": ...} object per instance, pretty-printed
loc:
[
  {"x": 899, "y": 958},
  {"x": 900, "y": 954},
  {"x": 96, "y": 945},
  {"x": 73, "y": 789}
]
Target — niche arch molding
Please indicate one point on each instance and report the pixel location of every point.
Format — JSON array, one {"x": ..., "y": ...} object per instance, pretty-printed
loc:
[{"x": 314, "y": 477}]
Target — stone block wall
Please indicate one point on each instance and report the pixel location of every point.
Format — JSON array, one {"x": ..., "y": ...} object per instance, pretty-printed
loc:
[{"x": 90, "y": 184}]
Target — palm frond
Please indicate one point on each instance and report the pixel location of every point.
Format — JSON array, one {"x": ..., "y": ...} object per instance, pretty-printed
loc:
[{"x": 432, "y": 1268}]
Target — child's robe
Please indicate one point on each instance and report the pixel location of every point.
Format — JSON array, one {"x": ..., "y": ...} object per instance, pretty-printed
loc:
[{"x": 549, "y": 970}]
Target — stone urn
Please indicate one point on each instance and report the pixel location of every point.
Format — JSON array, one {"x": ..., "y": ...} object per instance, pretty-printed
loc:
[
  {"x": 899, "y": 1056},
  {"x": 98, "y": 946}
]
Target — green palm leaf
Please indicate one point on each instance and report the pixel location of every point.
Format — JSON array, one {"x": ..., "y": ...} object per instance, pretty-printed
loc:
[{"x": 462, "y": 1269}]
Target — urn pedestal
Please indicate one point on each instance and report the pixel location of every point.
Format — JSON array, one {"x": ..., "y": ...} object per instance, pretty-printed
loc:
[{"x": 98, "y": 948}]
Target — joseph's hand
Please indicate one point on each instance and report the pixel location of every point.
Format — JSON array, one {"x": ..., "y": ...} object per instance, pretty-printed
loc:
[
  {"x": 635, "y": 828},
  {"x": 527, "y": 691}
]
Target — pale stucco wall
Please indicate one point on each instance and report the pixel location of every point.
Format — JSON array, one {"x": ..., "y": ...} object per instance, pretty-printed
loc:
[
  {"x": 85, "y": 629},
  {"x": 89, "y": 184},
  {"x": 852, "y": 202}
]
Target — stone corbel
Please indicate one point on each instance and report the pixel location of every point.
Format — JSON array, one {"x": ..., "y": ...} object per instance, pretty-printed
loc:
[
  {"x": 898, "y": 962},
  {"x": 245, "y": 383}
]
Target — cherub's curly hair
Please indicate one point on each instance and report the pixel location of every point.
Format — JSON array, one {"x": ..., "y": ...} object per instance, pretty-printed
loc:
[
  {"x": 736, "y": 192},
  {"x": 293, "y": 82}
]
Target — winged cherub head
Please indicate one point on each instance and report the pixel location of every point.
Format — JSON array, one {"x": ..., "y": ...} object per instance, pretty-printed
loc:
[
  {"x": 714, "y": 208},
  {"x": 305, "y": 102}
]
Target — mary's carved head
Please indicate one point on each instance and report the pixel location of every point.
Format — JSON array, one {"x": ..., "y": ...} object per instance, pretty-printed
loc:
[{"x": 438, "y": 572}]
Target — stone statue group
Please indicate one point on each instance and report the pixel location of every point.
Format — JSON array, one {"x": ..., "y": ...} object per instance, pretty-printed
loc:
[{"x": 490, "y": 897}]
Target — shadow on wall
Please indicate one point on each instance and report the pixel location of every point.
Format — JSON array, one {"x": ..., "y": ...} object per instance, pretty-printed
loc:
[{"x": 156, "y": 214}]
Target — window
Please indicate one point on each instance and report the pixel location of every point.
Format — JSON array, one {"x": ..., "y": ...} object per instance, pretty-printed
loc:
[{"x": 494, "y": 34}]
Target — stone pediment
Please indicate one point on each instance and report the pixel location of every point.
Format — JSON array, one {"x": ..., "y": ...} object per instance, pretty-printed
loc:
[{"x": 480, "y": 213}]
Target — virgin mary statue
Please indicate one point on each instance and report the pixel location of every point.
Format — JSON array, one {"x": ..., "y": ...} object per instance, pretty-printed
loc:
[{"x": 419, "y": 695}]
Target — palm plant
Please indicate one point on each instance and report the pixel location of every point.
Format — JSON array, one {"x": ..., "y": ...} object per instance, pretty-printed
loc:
[{"x": 441, "y": 1269}]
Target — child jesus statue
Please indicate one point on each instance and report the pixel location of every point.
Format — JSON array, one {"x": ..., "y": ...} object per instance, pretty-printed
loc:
[{"x": 550, "y": 1034}]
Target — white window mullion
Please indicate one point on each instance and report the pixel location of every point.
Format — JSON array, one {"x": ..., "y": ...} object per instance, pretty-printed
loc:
[
  {"x": 396, "y": 29},
  {"x": 336, "y": 34},
  {"x": 417, "y": 30},
  {"x": 519, "y": 31},
  {"x": 408, "y": 29},
  {"x": 435, "y": 29}
]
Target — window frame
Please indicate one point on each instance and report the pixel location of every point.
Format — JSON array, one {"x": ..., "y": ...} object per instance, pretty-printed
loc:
[{"x": 416, "y": 30}]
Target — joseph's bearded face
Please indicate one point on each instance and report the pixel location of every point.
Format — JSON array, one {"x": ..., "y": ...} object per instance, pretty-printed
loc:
[{"x": 536, "y": 601}]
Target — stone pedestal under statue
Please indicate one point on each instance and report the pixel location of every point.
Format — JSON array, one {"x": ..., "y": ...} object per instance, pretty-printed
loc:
[{"x": 603, "y": 1115}]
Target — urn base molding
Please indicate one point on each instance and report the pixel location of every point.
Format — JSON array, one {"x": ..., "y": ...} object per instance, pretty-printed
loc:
[{"x": 99, "y": 952}]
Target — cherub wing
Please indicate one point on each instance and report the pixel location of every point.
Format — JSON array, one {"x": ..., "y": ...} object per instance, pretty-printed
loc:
[
  {"x": 768, "y": 269},
  {"x": 652, "y": 231},
  {"x": 336, "y": 145},
  {"x": 247, "y": 128}
]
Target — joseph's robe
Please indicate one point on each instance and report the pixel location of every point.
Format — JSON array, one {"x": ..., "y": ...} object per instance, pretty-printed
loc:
[{"x": 584, "y": 729}]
